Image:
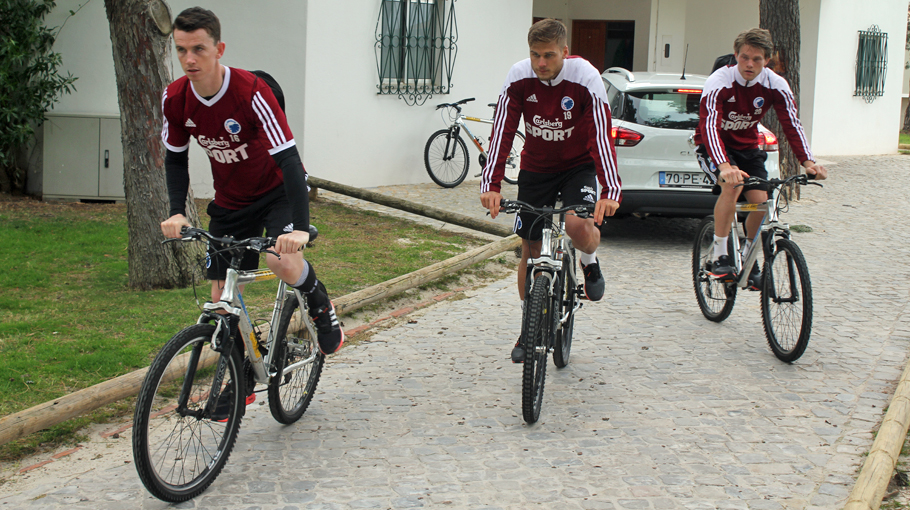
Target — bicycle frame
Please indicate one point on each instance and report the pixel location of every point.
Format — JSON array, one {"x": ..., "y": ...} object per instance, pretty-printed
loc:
[
  {"x": 770, "y": 223},
  {"x": 550, "y": 263},
  {"x": 460, "y": 123},
  {"x": 232, "y": 302}
]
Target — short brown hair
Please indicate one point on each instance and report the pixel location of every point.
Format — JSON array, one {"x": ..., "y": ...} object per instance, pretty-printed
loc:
[
  {"x": 547, "y": 31},
  {"x": 757, "y": 38},
  {"x": 194, "y": 18}
]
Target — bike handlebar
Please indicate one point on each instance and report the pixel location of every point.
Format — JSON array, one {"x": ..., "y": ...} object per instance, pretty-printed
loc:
[
  {"x": 455, "y": 104},
  {"x": 776, "y": 183},
  {"x": 514, "y": 206},
  {"x": 257, "y": 244}
]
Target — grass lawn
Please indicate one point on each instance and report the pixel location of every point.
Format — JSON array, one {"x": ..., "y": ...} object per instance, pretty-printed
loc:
[
  {"x": 904, "y": 138},
  {"x": 68, "y": 319}
]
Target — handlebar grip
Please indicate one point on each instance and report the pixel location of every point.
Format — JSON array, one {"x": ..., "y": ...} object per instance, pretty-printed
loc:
[{"x": 314, "y": 233}]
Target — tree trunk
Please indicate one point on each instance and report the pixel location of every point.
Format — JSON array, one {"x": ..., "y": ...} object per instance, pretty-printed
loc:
[
  {"x": 781, "y": 18},
  {"x": 141, "y": 58}
]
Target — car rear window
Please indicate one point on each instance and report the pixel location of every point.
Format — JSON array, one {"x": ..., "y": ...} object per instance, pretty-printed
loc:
[{"x": 661, "y": 109}]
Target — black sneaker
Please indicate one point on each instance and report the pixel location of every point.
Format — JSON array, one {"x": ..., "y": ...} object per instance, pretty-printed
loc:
[
  {"x": 755, "y": 275},
  {"x": 328, "y": 331},
  {"x": 594, "y": 281},
  {"x": 723, "y": 267},
  {"x": 518, "y": 353},
  {"x": 223, "y": 407}
]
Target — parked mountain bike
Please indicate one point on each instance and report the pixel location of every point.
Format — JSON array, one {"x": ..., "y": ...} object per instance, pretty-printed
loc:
[
  {"x": 446, "y": 154},
  {"x": 195, "y": 393},
  {"x": 552, "y": 294},
  {"x": 786, "y": 292}
]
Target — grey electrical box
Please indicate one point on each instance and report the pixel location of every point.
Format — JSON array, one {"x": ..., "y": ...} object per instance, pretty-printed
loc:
[{"x": 83, "y": 158}]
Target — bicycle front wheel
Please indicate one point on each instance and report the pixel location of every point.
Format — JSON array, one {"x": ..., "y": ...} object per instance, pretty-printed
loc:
[
  {"x": 786, "y": 302},
  {"x": 446, "y": 158},
  {"x": 513, "y": 164},
  {"x": 715, "y": 298},
  {"x": 178, "y": 448},
  {"x": 538, "y": 323},
  {"x": 298, "y": 365},
  {"x": 564, "y": 313}
]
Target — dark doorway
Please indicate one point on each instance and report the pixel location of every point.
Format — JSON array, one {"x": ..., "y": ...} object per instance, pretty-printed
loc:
[{"x": 603, "y": 43}]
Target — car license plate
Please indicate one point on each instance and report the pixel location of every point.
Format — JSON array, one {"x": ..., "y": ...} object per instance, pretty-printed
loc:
[{"x": 684, "y": 180}]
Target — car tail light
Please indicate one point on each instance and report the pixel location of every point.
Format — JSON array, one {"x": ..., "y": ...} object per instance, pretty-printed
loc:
[
  {"x": 767, "y": 141},
  {"x": 689, "y": 91},
  {"x": 623, "y": 137}
]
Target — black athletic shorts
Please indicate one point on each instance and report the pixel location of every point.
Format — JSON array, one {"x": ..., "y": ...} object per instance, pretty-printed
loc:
[
  {"x": 751, "y": 161},
  {"x": 577, "y": 185},
  {"x": 271, "y": 213}
]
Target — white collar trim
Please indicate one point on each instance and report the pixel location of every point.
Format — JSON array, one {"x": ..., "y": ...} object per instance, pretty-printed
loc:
[{"x": 222, "y": 92}]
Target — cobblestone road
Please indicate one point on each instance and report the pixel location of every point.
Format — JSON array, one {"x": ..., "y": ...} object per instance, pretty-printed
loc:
[{"x": 659, "y": 407}]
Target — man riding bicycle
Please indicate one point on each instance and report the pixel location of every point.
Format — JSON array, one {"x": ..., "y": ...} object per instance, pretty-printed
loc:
[
  {"x": 568, "y": 149},
  {"x": 259, "y": 179},
  {"x": 733, "y": 101}
]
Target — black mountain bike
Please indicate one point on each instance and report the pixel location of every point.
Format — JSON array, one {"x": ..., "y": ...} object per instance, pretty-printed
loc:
[{"x": 552, "y": 296}]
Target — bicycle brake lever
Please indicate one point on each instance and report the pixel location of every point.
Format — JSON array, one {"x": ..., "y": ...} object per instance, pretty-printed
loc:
[{"x": 273, "y": 253}]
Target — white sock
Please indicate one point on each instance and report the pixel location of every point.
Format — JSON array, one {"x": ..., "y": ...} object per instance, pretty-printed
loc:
[
  {"x": 587, "y": 258},
  {"x": 720, "y": 246}
]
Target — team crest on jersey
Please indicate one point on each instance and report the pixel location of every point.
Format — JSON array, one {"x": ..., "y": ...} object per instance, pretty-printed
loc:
[
  {"x": 567, "y": 103},
  {"x": 232, "y": 126},
  {"x": 758, "y": 102}
]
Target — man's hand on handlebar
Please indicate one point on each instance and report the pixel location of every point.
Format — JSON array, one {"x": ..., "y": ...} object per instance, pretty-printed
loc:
[
  {"x": 731, "y": 174},
  {"x": 604, "y": 207},
  {"x": 291, "y": 242},
  {"x": 171, "y": 227},
  {"x": 491, "y": 201},
  {"x": 815, "y": 171}
]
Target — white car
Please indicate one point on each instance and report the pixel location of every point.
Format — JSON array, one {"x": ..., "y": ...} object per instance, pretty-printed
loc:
[{"x": 654, "y": 121}]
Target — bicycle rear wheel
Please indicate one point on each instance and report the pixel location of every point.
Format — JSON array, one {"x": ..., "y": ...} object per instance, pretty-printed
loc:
[
  {"x": 538, "y": 323},
  {"x": 565, "y": 308},
  {"x": 786, "y": 302},
  {"x": 715, "y": 298},
  {"x": 513, "y": 164},
  {"x": 291, "y": 390},
  {"x": 446, "y": 158},
  {"x": 178, "y": 448}
]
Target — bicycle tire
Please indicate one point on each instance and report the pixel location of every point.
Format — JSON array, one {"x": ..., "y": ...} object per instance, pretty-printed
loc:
[
  {"x": 290, "y": 394},
  {"x": 715, "y": 298},
  {"x": 538, "y": 326},
  {"x": 562, "y": 347},
  {"x": 445, "y": 170},
  {"x": 788, "y": 324},
  {"x": 163, "y": 439},
  {"x": 513, "y": 164}
]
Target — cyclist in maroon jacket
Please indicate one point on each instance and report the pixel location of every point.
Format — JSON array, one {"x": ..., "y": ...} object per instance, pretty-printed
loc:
[
  {"x": 259, "y": 179},
  {"x": 568, "y": 150},
  {"x": 733, "y": 101}
]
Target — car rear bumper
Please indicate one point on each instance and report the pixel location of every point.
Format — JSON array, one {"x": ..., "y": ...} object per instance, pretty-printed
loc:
[{"x": 681, "y": 204}]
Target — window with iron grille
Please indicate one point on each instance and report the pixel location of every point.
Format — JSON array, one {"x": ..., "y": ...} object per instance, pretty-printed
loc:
[
  {"x": 871, "y": 63},
  {"x": 415, "y": 48}
]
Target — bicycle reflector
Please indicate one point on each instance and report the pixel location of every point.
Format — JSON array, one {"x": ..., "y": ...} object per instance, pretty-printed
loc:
[
  {"x": 767, "y": 141},
  {"x": 623, "y": 137}
]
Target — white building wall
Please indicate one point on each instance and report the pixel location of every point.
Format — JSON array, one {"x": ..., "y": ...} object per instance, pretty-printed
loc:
[
  {"x": 711, "y": 27},
  {"x": 843, "y": 124},
  {"x": 355, "y": 136},
  {"x": 611, "y": 10},
  {"x": 668, "y": 26}
]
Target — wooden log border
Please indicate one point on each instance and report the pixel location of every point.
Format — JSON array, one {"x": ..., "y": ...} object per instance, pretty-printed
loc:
[
  {"x": 75, "y": 404},
  {"x": 877, "y": 470},
  {"x": 411, "y": 207}
]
